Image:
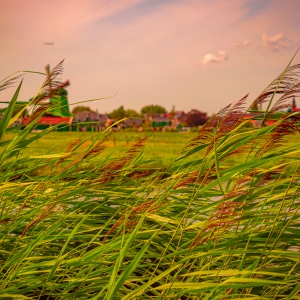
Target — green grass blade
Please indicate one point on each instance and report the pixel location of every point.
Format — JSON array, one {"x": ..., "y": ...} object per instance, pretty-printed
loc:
[
  {"x": 111, "y": 289},
  {"x": 8, "y": 112},
  {"x": 133, "y": 264}
]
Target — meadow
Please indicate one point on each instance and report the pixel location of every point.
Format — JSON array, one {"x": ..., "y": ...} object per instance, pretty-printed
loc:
[
  {"x": 166, "y": 144},
  {"x": 206, "y": 215},
  {"x": 163, "y": 146}
]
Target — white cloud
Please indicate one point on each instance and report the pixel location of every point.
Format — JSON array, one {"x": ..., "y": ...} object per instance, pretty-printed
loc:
[
  {"x": 242, "y": 45},
  {"x": 275, "y": 42},
  {"x": 220, "y": 57}
]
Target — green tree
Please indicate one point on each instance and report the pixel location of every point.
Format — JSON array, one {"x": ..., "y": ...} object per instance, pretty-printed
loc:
[
  {"x": 121, "y": 113},
  {"x": 118, "y": 113},
  {"x": 153, "y": 109},
  {"x": 77, "y": 109},
  {"x": 131, "y": 113}
]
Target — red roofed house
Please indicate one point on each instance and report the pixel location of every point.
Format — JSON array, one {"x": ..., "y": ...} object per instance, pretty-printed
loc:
[{"x": 48, "y": 120}]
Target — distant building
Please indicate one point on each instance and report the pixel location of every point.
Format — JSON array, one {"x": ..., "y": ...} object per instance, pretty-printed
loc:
[
  {"x": 100, "y": 122},
  {"x": 104, "y": 118},
  {"x": 85, "y": 116},
  {"x": 196, "y": 118},
  {"x": 132, "y": 122},
  {"x": 159, "y": 120},
  {"x": 178, "y": 118}
]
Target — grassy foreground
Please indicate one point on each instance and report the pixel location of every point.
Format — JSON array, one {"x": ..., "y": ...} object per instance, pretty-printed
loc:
[{"x": 203, "y": 227}]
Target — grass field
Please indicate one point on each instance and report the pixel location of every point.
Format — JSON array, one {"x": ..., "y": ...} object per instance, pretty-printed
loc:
[
  {"x": 164, "y": 147},
  {"x": 209, "y": 215}
]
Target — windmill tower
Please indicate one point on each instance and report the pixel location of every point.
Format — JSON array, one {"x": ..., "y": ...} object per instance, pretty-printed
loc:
[
  {"x": 59, "y": 112},
  {"x": 60, "y": 100}
]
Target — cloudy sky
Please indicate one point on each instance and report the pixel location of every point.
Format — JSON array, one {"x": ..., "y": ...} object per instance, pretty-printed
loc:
[{"x": 201, "y": 54}]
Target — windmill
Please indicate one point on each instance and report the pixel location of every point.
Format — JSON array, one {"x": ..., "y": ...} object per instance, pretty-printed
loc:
[{"x": 56, "y": 94}]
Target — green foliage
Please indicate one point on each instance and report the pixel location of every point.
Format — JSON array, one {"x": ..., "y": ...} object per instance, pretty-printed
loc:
[
  {"x": 204, "y": 227},
  {"x": 131, "y": 113},
  {"x": 6, "y": 118},
  {"x": 120, "y": 113},
  {"x": 153, "y": 109},
  {"x": 79, "y": 108}
]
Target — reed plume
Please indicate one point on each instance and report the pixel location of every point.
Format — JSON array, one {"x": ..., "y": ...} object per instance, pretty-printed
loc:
[{"x": 9, "y": 82}]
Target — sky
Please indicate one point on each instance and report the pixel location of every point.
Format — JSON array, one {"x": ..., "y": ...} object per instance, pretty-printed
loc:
[{"x": 190, "y": 54}]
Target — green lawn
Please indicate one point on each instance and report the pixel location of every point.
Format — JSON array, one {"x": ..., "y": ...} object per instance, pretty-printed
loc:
[{"x": 163, "y": 146}]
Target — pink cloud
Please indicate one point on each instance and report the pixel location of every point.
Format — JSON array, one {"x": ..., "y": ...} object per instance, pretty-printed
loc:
[
  {"x": 241, "y": 45},
  {"x": 275, "y": 42},
  {"x": 209, "y": 58}
]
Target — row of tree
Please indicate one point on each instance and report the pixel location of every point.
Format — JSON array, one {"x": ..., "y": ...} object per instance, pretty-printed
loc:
[
  {"x": 192, "y": 118},
  {"x": 121, "y": 113}
]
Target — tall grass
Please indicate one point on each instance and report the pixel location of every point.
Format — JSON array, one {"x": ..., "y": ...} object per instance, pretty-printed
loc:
[{"x": 121, "y": 229}]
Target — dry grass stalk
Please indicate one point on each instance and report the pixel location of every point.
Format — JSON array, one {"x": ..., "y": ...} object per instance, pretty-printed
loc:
[
  {"x": 51, "y": 84},
  {"x": 140, "y": 174},
  {"x": 40, "y": 111},
  {"x": 70, "y": 150},
  {"x": 39, "y": 187},
  {"x": 9, "y": 82},
  {"x": 98, "y": 148},
  {"x": 244, "y": 149},
  {"x": 33, "y": 222},
  {"x": 193, "y": 178},
  {"x": 224, "y": 216},
  {"x": 132, "y": 219},
  {"x": 71, "y": 147},
  {"x": 278, "y": 137},
  {"x": 50, "y": 207},
  {"x": 203, "y": 137},
  {"x": 136, "y": 148},
  {"x": 226, "y": 120},
  {"x": 287, "y": 85},
  {"x": 108, "y": 172}
]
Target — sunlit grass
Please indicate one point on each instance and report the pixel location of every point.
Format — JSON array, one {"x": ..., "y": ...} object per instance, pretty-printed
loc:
[{"x": 214, "y": 215}]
